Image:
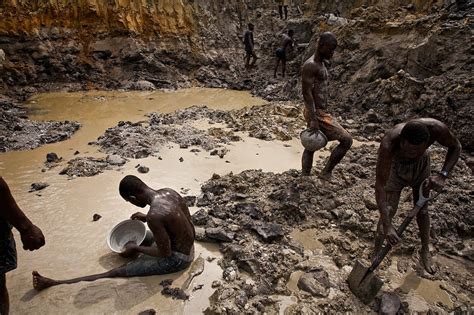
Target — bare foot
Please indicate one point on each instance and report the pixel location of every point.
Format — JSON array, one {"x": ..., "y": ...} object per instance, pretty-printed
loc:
[
  {"x": 40, "y": 282},
  {"x": 427, "y": 262}
]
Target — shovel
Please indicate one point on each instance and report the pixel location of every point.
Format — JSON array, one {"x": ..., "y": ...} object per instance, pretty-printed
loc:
[{"x": 362, "y": 280}]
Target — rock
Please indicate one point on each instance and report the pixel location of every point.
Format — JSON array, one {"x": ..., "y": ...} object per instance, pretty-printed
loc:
[
  {"x": 141, "y": 85},
  {"x": 198, "y": 287},
  {"x": 52, "y": 157},
  {"x": 115, "y": 160},
  {"x": 315, "y": 282},
  {"x": 241, "y": 299},
  {"x": 143, "y": 169},
  {"x": 166, "y": 282},
  {"x": 200, "y": 217},
  {"x": 371, "y": 128},
  {"x": 221, "y": 152},
  {"x": 389, "y": 304},
  {"x": 372, "y": 116},
  {"x": 148, "y": 312},
  {"x": 190, "y": 200},
  {"x": 220, "y": 234},
  {"x": 268, "y": 231},
  {"x": 175, "y": 293},
  {"x": 216, "y": 284},
  {"x": 370, "y": 203},
  {"x": 181, "y": 159},
  {"x": 229, "y": 274},
  {"x": 38, "y": 186},
  {"x": 96, "y": 217}
]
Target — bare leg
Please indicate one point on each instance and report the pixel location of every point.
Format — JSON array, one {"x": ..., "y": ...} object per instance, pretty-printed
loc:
[
  {"x": 247, "y": 60},
  {"x": 393, "y": 198},
  {"x": 40, "y": 282},
  {"x": 286, "y": 11},
  {"x": 4, "y": 299},
  {"x": 337, "y": 154},
  {"x": 283, "y": 67},
  {"x": 423, "y": 220},
  {"x": 276, "y": 67},
  {"x": 254, "y": 56},
  {"x": 307, "y": 162},
  {"x": 280, "y": 10}
]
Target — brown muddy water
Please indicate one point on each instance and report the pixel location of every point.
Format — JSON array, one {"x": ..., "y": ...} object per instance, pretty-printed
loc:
[{"x": 75, "y": 244}]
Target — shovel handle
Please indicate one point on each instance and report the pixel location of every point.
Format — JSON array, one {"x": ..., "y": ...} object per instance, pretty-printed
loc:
[{"x": 419, "y": 204}]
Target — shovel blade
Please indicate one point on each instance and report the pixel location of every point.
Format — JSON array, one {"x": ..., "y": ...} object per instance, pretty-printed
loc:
[{"x": 365, "y": 285}]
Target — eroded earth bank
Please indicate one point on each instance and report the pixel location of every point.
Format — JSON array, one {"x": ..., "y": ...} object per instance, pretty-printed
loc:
[{"x": 286, "y": 242}]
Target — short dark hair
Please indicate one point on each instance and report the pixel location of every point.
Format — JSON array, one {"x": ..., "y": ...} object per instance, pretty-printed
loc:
[
  {"x": 327, "y": 37},
  {"x": 130, "y": 185},
  {"x": 290, "y": 31},
  {"x": 415, "y": 132},
  {"x": 250, "y": 25}
]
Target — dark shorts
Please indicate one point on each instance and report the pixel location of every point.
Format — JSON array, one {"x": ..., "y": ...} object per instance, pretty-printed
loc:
[
  {"x": 408, "y": 174},
  {"x": 280, "y": 53},
  {"x": 7, "y": 248},
  {"x": 146, "y": 265},
  {"x": 248, "y": 51}
]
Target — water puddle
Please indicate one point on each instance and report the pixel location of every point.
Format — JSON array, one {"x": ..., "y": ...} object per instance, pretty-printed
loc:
[
  {"x": 429, "y": 290},
  {"x": 309, "y": 239},
  {"x": 75, "y": 244}
]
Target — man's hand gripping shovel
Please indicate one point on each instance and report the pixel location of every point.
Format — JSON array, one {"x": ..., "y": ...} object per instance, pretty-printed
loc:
[{"x": 362, "y": 281}]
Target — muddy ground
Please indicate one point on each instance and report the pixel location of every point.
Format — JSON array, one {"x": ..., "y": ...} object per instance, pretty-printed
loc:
[
  {"x": 391, "y": 65},
  {"x": 254, "y": 215}
]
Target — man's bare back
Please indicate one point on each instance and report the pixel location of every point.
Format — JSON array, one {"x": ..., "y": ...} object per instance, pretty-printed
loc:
[
  {"x": 169, "y": 211},
  {"x": 173, "y": 232}
]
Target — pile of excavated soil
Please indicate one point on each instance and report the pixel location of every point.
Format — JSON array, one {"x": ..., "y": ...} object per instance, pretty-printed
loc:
[
  {"x": 19, "y": 133},
  {"x": 253, "y": 213},
  {"x": 141, "y": 139}
]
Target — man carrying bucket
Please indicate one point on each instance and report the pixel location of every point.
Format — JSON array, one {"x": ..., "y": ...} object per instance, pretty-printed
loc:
[
  {"x": 315, "y": 94},
  {"x": 170, "y": 222},
  {"x": 403, "y": 161}
]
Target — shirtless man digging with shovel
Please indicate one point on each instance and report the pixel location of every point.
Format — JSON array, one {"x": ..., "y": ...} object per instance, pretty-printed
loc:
[{"x": 403, "y": 161}]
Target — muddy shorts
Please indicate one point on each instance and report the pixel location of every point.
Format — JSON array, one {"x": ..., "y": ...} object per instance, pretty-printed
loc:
[
  {"x": 7, "y": 248},
  {"x": 280, "y": 53},
  {"x": 408, "y": 174},
  {"x": 145, "y": 265},
  {"x": 328, "y": 125}
]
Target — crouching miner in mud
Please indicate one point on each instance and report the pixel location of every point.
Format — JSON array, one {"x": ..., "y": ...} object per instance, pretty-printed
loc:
[
  {"x": 31, "y": 237},
  {"x": 403, "y": 161},
  {"x": 173, "y": 232},
  {"x": 315, "y": 94}
]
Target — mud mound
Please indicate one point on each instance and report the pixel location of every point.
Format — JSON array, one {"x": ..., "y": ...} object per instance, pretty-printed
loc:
[
  {"x": 142, "y": 139},
  {"x": 19, "y": 133},
  {"x": 257, "y": 210}
]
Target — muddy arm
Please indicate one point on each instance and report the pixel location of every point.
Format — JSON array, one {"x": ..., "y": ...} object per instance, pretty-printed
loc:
[
  {"x": 307, "y": 87},
  {"x": 162, "y": 240},
  {"x": 384, "y": 162},
  {"x": 446, "y": 138},
  {"x": 31, "y": 235}
]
